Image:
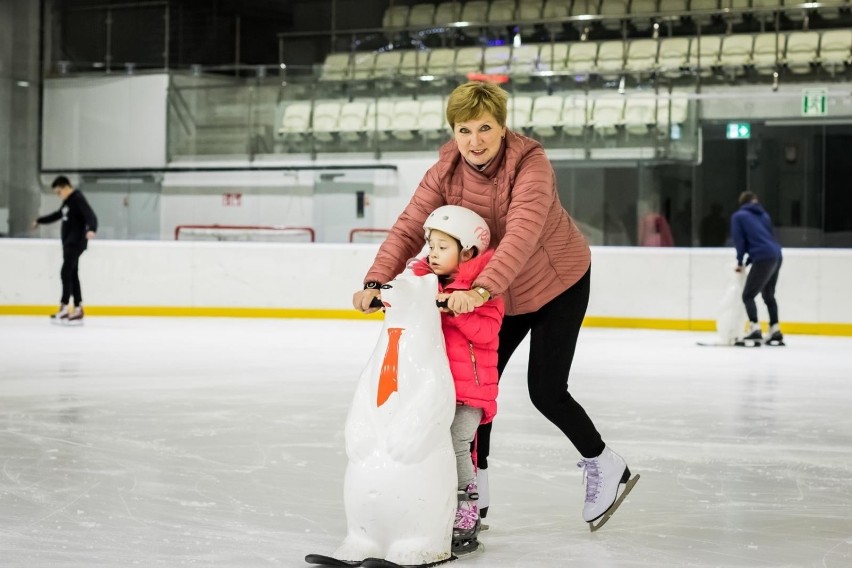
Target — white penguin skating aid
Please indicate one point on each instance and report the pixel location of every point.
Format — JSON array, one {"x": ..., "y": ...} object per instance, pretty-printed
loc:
[{"x": 400, "y": 484}]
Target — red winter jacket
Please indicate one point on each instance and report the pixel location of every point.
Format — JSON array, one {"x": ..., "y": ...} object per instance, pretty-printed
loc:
[{"x": 471, "y": 339}]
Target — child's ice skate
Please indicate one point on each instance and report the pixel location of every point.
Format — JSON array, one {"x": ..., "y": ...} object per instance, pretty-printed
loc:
[
  {"x": 603, "y": 475},
  {"x": 467, "y": 525}
]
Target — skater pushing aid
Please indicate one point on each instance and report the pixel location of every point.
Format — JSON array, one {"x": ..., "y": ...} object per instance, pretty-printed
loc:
[
  {"x": 753, "y": 236},
  {"x": 540, "y": 267}
]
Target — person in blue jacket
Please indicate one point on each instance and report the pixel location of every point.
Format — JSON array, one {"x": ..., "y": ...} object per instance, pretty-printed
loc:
[{"x": 753, "y": 236}]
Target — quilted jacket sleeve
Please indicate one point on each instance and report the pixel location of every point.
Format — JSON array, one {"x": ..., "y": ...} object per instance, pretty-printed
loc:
[
  {"x": 482, "y": 325},
  {"x": 532, "y": 195},
  {"x": 406, "y": 237}
]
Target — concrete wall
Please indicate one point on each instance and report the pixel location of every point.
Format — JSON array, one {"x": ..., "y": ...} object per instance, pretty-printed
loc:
[{"x": 655, "y": 288}]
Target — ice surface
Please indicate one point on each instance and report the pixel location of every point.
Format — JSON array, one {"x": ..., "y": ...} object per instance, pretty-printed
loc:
[{"x": 218, "y": 442}]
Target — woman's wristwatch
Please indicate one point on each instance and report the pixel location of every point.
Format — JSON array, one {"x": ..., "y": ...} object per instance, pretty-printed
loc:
[{"x": 485, "y": 294}]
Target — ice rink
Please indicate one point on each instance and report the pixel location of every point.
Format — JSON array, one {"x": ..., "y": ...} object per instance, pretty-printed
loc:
[{"x": 218, "y": 442}]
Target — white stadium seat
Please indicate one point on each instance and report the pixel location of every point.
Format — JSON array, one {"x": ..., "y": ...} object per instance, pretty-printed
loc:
[
  {"x": 673, "y": 56},
  {"x": 406, "y": 119},
  {"x": 704, "y": 53},
  {"x": 387, "y": 64},
  {"x": 421, "y": 15},
  {"x": 468, "y": 60},
  {"x": 672, "y": 110},
  {"x": 475, "y": 11},
  {"x": 642, "y": 56},
  {"x": 640, "y": 13},
  {"x": 614, "y": 11},
  {"x": 395, "y": 16},
  {"x": 610, "y": 60},
  {"x": 582, "y": 56},
  {"x": 835, "y": 49},
  {"x": 802, "y": 49},
  {"x": 524, "y": 60},
  {"x": 447, "y": 13},
  {"x": 324, "y": 124},
  {"x": 296, "y": 120},
  {"x": 380, "y": 118},
  {"x": 736, "y": 52},
  {"x": 335, "y": 67},
  {"x": 546, "y": 114},
  {"x": 553, "y": 57},
  {"x": 441, "y": 61},
  {"x": 640, "y": 113},
  {"x": 502, "y": 11},
  {"x": 768, "y": 52},
  {"x": 607, "y": 113},
  {"x": 362, "y": 65},
  {"x": 575, "y": 115},
  {"x": 497, "y": 59},
  {"x": 352, "y": 121},
  {"x": 520, "y": 110},
  {"x": 433, "y": 123}
]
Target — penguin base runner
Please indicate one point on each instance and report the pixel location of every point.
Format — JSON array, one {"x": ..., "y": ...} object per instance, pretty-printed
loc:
[
  {"x": 380, "y": 563},
  {"x": 321, "y": 560}
]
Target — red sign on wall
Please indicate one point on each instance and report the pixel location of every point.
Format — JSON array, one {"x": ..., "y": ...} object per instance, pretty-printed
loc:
[{"x": 232, "y": 199}]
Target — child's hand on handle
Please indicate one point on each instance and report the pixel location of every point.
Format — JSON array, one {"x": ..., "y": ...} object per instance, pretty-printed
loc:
[{"x": 464, "y": 301}]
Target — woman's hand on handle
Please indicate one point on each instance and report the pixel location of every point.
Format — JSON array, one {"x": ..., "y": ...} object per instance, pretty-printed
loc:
[{"x": 362, "y": 298}]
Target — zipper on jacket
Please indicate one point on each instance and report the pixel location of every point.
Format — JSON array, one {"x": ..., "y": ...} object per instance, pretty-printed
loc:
[{"x": 473, "y": 360}]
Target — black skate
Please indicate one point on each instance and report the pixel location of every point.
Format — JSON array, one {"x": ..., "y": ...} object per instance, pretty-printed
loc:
[
  {"x": 753, "y": 339},
  {"x": 321, "y": 560},
  {"x": 776, "y": 339}
]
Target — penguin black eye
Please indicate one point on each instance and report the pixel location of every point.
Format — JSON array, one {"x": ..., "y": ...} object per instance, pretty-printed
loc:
[{"x": 386, "y": 286}]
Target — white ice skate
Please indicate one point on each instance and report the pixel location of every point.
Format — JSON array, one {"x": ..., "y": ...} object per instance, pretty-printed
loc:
[{"x": 603, "y": 475}]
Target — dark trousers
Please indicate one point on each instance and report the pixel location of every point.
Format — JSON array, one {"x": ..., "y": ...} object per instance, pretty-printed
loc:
[
  {"x": 70, "y": 278},
  {"x": 554, "y": 329},
  {"x": 761, "y": 280}
]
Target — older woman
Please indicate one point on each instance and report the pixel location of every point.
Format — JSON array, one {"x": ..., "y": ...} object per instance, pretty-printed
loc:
[{"x": 541, "y": 268}]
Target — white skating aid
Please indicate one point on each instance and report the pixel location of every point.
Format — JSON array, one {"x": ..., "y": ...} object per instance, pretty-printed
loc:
[{"x": 400, "y": 486}]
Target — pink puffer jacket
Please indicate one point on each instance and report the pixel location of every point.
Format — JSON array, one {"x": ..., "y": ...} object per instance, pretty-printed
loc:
[
  {"x": 472, "y": 340},
  {"x": 540, "y": 251}
]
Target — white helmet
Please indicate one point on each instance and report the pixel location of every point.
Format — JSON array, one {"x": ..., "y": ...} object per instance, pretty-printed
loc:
[{"x": 460, "y": 222}]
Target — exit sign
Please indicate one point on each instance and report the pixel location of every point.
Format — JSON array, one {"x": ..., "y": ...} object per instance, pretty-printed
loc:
[
  {"x": 738, "y": 130},
  {"x": 814, "y": 102}
]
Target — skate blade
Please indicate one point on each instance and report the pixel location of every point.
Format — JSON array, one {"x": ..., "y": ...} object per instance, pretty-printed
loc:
[
  {"x": 628, "y": 487},
  {"x": 747, "y": 343},
  {"x": 467, "y": 548},
  {"x": 381, "y": 563},
  {"x": 322, "y": 560}
]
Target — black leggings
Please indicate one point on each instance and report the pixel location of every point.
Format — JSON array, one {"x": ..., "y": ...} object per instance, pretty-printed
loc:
[
  {"x": 762, "y": 279},
  {"x": 555, "y": 327},
  {"x": 69, "y": 275}
]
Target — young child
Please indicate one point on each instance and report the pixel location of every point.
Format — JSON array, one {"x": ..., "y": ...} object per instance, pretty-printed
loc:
[{"x": 458, "y": 251}]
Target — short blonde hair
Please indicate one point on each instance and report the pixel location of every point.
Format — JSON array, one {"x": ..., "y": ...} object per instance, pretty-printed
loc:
[{"x": 474, "y": 99}]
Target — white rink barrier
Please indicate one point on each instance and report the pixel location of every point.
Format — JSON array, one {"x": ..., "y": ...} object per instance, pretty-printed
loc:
[{"x": 658, "y": 288}]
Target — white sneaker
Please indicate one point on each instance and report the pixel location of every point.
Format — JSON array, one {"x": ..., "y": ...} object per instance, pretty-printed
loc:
[{"x": 602, "y": 475}]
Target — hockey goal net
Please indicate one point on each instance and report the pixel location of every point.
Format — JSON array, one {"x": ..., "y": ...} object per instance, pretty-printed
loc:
[
  {"x": 368, "y": 235},
  {"x": 244, "y": 233}
]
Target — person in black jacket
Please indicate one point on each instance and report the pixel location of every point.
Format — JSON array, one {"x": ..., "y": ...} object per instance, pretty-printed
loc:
[
  {"x": 79, "y": 224},
  {"x": 753, "y": 235}
]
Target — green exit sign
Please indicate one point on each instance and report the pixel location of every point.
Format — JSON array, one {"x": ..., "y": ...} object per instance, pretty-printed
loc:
[{"x": 738, "y": 130}]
